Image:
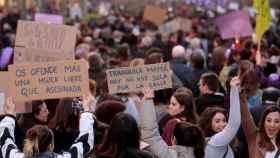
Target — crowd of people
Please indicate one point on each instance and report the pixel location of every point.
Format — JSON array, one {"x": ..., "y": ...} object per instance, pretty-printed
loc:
[{"x": 224, "y": 102}]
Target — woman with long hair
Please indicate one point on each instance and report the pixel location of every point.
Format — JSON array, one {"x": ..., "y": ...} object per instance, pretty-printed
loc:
[
  {"x": 263, "y": 141},
  {"x": 65, "y": 124},
  {"x": 39, "y": 140},
  {"x": 122, "y": 139},
  {"x": 188, "y": 140},
  {"x": 219, "y": 129},
  {"x": 181, "y": 107}
]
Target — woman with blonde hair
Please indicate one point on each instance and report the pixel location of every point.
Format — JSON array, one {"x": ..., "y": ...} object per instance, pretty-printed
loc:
[{"x": 39, "y": 142}]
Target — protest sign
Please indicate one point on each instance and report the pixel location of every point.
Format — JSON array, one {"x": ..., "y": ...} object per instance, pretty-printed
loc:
[
  {"x": 181, "y": 24},
  {"x": 154, "y": 76},
  {"x": 4, "y": 78},
  {"x": 234, "y": 24},
  {"x": 37, "y": 42},
  {"x": 4, "y": 89},
  {"x": 175, "y": 25},
  {"x": 48, "y": 18},
  {"x": 154, "y": 14},
  {"x": 21, "y": 107},
  {"x": 48, "y": 80}
]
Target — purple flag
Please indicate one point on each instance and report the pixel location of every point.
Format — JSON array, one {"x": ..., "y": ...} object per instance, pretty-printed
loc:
[
  {"x": 210, "y": 4},
  {"x": 234, "y": 24},
  {"x": 49, "y": 18}
]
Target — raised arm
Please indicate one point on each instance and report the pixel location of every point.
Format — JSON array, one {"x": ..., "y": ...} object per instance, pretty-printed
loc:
[
  {"x": 227, "y": 134},
  {"x": 84, "y": 143},
  {"x": 248, "y": 124},
  {"x": 7, "y": 128},
  {"x": 149, "y": 128}
]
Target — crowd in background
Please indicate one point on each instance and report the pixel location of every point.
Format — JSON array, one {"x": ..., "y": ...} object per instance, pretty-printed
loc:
[{"x": 224, "y": 102}]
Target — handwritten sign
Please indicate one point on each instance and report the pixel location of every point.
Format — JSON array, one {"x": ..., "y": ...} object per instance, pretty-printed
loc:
[
  {"x": 49, "y": 80},
  {"x": 21, "y": 107},
  {"x": 40, "y": 40},
  {"x": 154, "y": 76},
  {"x": 234, "y": 24},
  {"x": 154, "y": 14},
  {"x": 48, "y": 18}
]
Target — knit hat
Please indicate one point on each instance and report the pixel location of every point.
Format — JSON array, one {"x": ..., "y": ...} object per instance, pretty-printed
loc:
[{"x": 178, "y": 52}]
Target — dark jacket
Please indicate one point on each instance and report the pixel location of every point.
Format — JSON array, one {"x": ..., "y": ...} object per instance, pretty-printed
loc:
[
  {"x": 182, "y": 71},
  {"x": 209, "y": 100}
]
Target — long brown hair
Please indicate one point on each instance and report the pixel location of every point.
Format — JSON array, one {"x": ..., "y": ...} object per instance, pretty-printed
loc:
[
  {"x": 250, "y": 80},
  {"x": 123, "y": 133},
  {"x": 264, "y": 139},
  {"x": 186, "y": 99},
  {"x": 66, "y": 118},
  {"x": 206, "y": 118}
]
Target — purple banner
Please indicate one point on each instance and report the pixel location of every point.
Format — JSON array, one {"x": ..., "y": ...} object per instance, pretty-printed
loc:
[
  {"x": 234, "y": 24},
  {"x": 210, "y": 4},
  {"x": 49, "y": 18}
]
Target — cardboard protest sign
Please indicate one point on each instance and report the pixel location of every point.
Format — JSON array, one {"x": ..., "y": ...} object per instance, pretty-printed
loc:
[
  {"x": 4, "y": 88},
  {"x": 234, "y": 24},
  {"x": 37, "y": 42},
  {"x": 48, "y": 18},
  {"x": 181, "y": 24},
  {"x": 4, "y": 78},
  {"x": 21, "y": 107},
  {"x": 49, "y": 80},
  {"x": 154, "y": 76},
  {"x": 154, "y": 14}
]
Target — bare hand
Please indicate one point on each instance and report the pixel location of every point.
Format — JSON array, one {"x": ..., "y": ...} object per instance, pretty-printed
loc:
[
  {"x": 10, "y": 107},
  {"x": 235, "y": 82},
  {"x": 148, "y": 93}
]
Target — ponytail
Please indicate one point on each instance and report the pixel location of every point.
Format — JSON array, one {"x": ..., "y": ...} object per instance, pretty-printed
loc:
[
  {"x": 38, "y": 139},
  {"x": 31, "y": 147}
]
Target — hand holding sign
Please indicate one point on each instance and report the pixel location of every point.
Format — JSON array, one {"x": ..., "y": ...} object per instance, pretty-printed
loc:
[{"x": 148, "y": 93}]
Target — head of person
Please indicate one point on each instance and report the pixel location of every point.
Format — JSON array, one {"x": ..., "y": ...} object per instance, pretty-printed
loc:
[
  {"x": 39, "y": 139},
  {"x": 269, "y": 127},
  {"x": 136, "y": 62},
  {"x": 66, "y": 116},
  {"x": 271, "y": 96},
  {"x": 197, "y": 60},
  {"x": 209, "y": 83},
  {"x": 182, "y": 105},
  {"x": 123, "y": 133},
  {"x": 178, "y": 52},
  {"x": 153, "y": 58},
  {"x": 40, "y": 111},
  {"x": 189, "y": 135},
  {"x": 213, "y": 120},
  {"x": 107, "y": 110}
]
